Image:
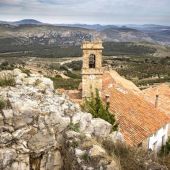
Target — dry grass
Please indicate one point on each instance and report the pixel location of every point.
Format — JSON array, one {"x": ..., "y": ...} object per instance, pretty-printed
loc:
[
  {"x": 133, "y": 158},
  {"x": 7, "y": 80}
]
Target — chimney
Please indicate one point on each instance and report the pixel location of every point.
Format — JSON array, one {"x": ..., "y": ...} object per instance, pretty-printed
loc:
[{"x": 156, "y": 101}]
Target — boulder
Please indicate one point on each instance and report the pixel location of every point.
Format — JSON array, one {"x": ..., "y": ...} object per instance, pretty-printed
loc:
[
  {"x": 45, "y": 83},
  {"x": 101, "y": 127},
  {"x": 5, "y": 138},
  {"x": 8, "y": 156},
  {"x": 79, "y": 152},
  {"x": 24, "y": 133},
  {"x": 19, "y": 122},
  {"x": 58, "y": 163},
  {"x": 116, "y": 137},
  {"x": 114, "y": 165},
  {"x": 8, "y": 116},
  {"x": 97, "y": 151},
  {"x": 84, "y": 120},
  {"x": 17, "y": 72},
  {"x": 40, "y": 142}
]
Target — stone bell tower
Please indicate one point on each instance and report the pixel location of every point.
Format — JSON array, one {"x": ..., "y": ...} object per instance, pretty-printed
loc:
[{"x": 92, "y": 67}]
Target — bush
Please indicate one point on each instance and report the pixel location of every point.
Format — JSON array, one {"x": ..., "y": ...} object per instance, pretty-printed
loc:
[
  {"x": 133, "y": 158},
  {"x": 166, "y": 149},
  {"x": 95, "y": 106},
  {"x": 7, "y": 81},
  {"x": 26, "y": 71},
  {"x": 2, "y": 103},
  {"x": 6, "y": 66},
  {"x": 67, "y": 84},
  {"x": 74, "y": 127}
]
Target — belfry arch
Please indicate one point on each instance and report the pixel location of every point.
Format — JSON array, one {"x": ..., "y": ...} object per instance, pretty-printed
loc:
[{"x": 92, "y": 61}]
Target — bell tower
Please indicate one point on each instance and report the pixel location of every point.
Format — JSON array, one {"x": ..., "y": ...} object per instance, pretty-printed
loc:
[{"x": 92, "y": 67}]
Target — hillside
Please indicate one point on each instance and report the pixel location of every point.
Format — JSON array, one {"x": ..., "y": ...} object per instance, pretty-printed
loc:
[
  {"x": 124, "y": 34},
  {"x": 44, "y": 40}
]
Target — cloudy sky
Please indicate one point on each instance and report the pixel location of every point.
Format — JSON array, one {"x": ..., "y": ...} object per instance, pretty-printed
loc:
[{"x": 88, "y": 11}]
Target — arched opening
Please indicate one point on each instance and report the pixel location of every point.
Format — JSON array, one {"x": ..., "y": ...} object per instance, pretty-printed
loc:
[{"x": 92, "y": 61}]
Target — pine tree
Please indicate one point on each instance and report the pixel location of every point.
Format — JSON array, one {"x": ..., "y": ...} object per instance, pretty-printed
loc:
[{"x": 98, "y": 109}]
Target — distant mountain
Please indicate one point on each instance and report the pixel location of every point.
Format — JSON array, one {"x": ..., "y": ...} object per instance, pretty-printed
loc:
[
  {"x": 30, "y": 31},
  {"x": 124, "y": 34},
  {"x": 27, "y": 22},
  {"x": 158, "y": 33},
  {"x": 22, "y": 22},
  {"x": 28, "y": 34},
  {"x": 97, "y": 27}
]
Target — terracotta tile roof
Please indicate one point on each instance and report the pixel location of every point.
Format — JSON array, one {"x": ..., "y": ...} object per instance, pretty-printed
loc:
[
  {"x": 163, "y": 90},
  {"x": 138, "y": 119}
]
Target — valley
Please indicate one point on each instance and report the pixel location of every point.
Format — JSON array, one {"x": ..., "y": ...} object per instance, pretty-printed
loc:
[{"x": 140, "y": 53}]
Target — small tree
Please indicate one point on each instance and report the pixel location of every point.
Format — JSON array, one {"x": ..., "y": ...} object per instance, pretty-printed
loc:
[
  {"x": 166, "y": 148},
  {"x": 98, "y": 109}
]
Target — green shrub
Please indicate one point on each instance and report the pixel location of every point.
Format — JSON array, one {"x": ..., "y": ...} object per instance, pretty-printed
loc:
[
  {"x": 74, "y": 127},
  {"x": 67, "y": 84},
  {"x": 6, "y": 66},
  {"x": 85, "y": 157},
  {"x": 95, "y": 106},
  {"x": 74, "y": 144},
  {"x": 166, "y": 148},
  {"x": 26, "y": 71},
  {"x": 7, "y": 81},
  {"x": 2, "y": 103}
]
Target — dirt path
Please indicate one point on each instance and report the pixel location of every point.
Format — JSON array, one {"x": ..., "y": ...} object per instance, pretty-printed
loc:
[{"x": 70, "y": 60}]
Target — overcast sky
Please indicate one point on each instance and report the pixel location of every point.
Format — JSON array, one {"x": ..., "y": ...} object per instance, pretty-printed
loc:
[{"x": 88, "y": 11}]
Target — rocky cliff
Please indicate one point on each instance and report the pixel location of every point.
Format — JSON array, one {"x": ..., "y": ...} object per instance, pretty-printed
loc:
[{"x": 42, "y": 130}]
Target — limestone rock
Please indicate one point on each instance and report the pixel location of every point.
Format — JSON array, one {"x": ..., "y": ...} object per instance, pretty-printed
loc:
[
  {"x": 44, "y": 130},
  {"x": 57, "y": 160},
  {"x": 113, "y": 166},
  {"x": 79, "y": 152},
  {"x": 8, "y": 116},
  {"x": 1, "y": 120},
  {"x": 7, "y": 156},
  {"x": 97, "y": 151},
  {"x": 17, "y": 72},
  {"x": 5, "y": 138},
  {"x": 41, "y": 141},
  {"x": 19, "y": 122},
  {"x": 101, "y": 127},
  {"x": 116, "y": 137},
  {"x": 25, "y": 133},
  {"x": 84, "y": 119}
]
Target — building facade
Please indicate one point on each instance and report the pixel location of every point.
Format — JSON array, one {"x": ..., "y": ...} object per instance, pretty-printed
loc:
[
  {"x": 140, "y": 123},
  {"x": 92, "y": 67}
]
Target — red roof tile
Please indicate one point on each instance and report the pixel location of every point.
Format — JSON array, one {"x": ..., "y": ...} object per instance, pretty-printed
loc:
[{"x": 137, "y": 118}]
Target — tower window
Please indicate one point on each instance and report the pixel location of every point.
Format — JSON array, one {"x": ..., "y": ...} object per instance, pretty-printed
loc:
[{"x": 92, "y": 61}]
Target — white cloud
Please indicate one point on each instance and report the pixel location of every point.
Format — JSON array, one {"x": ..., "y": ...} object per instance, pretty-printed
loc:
[
  {"x": 10, "y": 2},
  {"x": 89, "y": 11}
]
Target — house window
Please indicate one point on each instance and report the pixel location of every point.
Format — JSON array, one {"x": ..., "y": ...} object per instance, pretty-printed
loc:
[{"x": 92, "y": 61}]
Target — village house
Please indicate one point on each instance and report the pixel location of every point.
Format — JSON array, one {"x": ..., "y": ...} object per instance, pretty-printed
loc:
[
  {"x": 159, "y": 96},
  {"x": 140, "y": 123}
]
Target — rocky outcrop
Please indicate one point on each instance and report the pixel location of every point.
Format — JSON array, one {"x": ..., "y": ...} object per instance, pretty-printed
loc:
[{"x": 43, "y": 130}]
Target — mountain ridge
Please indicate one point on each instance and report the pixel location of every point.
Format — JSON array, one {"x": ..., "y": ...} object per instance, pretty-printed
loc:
[{"x": 30, "y": 31}]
